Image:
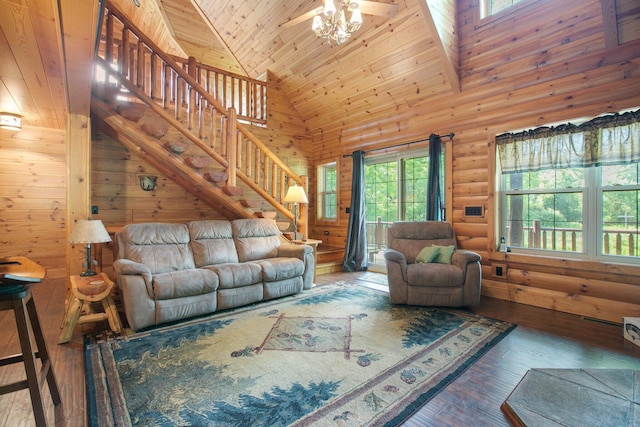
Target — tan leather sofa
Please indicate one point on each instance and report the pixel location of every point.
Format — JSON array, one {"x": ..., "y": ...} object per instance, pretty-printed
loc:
[
  {"x": 167, "y": 272},
  {"x": 456, "y": 283}
]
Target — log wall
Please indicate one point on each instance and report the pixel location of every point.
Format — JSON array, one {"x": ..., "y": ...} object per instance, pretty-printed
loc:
[{"x": 519, "y": 70}]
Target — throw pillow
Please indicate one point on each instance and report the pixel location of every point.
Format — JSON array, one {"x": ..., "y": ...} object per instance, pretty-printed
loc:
[
  {"x": 428, "y": 254},
  {"x": 445, "y": 254}
]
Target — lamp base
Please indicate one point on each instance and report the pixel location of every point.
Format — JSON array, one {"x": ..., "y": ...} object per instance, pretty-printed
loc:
[{"x": 88, "y": 273}]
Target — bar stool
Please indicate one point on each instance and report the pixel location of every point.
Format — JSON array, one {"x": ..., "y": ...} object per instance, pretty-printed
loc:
[{"x": 15, "y": 294}]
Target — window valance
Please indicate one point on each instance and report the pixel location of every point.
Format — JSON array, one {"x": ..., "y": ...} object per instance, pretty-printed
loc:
[{"x": 605, "y": 140}]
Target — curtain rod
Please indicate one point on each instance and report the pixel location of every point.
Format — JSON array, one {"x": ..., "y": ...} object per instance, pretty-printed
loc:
[{"x": 450, "y": 136}]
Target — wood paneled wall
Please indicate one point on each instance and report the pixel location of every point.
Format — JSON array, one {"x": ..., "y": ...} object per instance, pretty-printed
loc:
[
  {"x": 518, "y": 70},
  {"x": 33, "y": 190}
]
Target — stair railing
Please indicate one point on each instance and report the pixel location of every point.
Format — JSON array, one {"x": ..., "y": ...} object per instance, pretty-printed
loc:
[
  {"x": 246, "y": 95},
  {"x": 165, "y": 86}
]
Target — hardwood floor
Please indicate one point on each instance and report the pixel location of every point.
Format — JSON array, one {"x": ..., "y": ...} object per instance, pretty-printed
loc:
[{"x": 542, "y": 339}]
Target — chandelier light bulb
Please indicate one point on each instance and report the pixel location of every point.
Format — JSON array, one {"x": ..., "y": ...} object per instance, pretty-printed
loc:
[
  {"x": 317, "y": 24},
  {"x": 329, "y": 8},
  {"x": 356, "y": 16}
]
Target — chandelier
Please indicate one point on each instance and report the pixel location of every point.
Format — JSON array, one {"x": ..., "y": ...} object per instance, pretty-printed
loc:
[{"x": 332, "y": 24}]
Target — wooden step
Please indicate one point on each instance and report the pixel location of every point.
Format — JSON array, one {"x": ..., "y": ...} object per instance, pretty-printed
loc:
[
  {"x": 198, "y": 162},
  {"x": 328, "y": 268},
  {"x": 233, "y": 191},
  {"x": 131, "y": 110},
  {"x": 218, "y": 177},
  {"x": 176, "y": 147},
  {"x": 155, "y": 127},
  {"x": 329, "y": 254}
]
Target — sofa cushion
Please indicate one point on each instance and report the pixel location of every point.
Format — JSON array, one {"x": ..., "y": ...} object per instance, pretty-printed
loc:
[
  {"x": 212, "y": 242},
  {"x": 428, "y": 254},
  {"x": 256, "y": 238},
  {"x": 237, "y": 275},
  {"x": 185, "y": 283},
  {"x": 434, "y": 275},
  {"x": 445, "y": 254},
  {"x": 161, "y": 247},
  {"x": 275, "y": 269}
]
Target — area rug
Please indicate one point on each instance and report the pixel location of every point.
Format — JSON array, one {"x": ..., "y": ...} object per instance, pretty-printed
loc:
[
  {"x": 378, "y": 278},
  {"x": 336, "y": 355}
]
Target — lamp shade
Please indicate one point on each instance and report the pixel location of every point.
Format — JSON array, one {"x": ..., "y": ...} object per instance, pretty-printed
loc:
[
  {"x": 89, "y": 231},
  {"x": 295, "y": 194}
]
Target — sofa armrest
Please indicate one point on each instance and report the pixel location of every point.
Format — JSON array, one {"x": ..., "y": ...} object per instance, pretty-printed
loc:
[
  {"x": 137, "y": 300},
  {"x": 397, "y": 276},
  {"x": 462, "y": 257},
  {"x": 126, "y": 267},
  {"x": 392, "y": 255},
  {"x": 291, "y": 250}
]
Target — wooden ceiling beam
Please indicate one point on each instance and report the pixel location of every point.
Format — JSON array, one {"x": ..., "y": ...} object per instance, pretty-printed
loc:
[{"x": 440, "y": 17}]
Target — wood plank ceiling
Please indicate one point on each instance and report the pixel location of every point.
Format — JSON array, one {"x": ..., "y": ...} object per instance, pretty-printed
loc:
[{"x": 389, "y": 65}]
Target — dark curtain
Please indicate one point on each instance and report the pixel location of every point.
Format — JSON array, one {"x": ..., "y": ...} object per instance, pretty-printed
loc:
[
  {"x": 434, "y": 186},
  {"x": 355, "y": 254}
]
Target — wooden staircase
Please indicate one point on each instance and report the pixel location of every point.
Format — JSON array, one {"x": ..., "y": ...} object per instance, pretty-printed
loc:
[{"x": 170, "y": 113}]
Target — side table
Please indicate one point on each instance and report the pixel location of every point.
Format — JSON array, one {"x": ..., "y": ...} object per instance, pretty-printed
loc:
[
  {"x": 314, "y": 244},
  {"x": 84, "y": 291}
]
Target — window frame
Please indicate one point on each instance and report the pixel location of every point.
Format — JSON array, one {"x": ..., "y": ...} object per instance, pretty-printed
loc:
[
  {"x": 322, "y": 193},
  {"x": 485, "y": 19},
  {"x": 593, "y": 226},
  {"x": 400, "y": 159}
]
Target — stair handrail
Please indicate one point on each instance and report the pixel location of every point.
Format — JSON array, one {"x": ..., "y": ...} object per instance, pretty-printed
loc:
[
  {"x": 205, "y": 95},
  {"x": 233, "y": 77}
]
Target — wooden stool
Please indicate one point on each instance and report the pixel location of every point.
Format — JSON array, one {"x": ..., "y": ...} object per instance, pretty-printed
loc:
[
  {"x": 17, "y": 297},
  {"x": 84, "y": 291}
]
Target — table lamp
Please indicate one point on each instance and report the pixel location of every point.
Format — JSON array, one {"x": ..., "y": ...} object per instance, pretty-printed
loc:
[
  {"x": 295, "y": 195},
  {"x": 89, "y": 231}
]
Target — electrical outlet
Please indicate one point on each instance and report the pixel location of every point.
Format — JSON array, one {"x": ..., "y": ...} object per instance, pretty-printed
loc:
[
  {"x": 499, "y": 270},
  {"x": 94, "y": 210}
]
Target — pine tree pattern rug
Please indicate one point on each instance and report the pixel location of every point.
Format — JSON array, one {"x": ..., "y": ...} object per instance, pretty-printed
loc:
[{"x": 336, "y": 355}]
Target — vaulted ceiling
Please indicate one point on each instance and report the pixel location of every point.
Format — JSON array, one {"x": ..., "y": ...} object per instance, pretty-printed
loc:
[{"x": 390, "y": 64}]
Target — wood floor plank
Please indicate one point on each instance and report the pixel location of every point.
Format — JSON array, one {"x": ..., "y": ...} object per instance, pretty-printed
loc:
[{"x": 543, "y": 339}]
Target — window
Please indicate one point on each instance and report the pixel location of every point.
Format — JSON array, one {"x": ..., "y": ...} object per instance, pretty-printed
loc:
[
  {"x": 573, "y": 189},
  {"x": 327, "y": 185},
  {"x": 491, "y": 7},
  {"x": 396, "y": 190}
]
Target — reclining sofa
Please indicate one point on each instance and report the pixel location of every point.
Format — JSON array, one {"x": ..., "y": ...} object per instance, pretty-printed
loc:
[{"x": 169, "y": 271}]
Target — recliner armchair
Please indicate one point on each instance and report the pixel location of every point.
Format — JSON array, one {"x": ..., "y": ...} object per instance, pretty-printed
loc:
[{"x": 454, "y": 284}]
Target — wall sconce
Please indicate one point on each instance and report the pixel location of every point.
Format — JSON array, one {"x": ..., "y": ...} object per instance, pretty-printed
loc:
[
  {"x": 10, "y": 121},
  {"x": 148, "y": 182}
]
